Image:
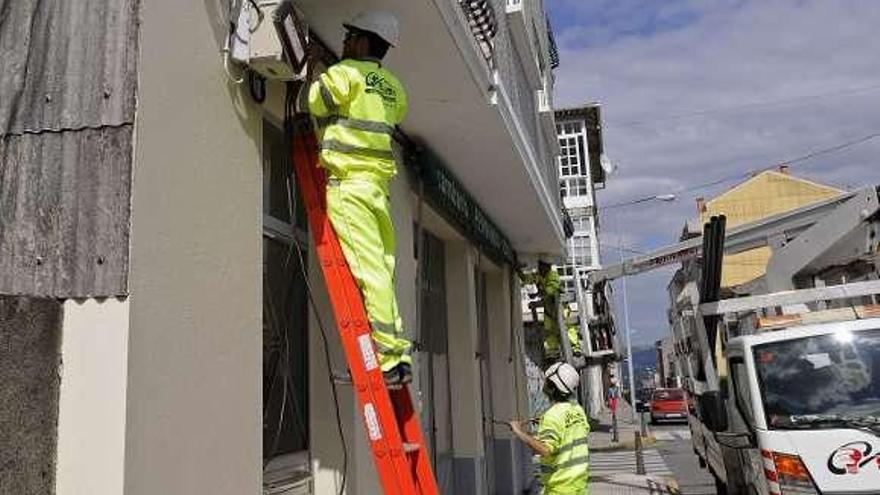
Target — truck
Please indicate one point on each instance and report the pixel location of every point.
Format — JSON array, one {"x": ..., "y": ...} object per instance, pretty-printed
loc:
[{"x": 783, "y": 373}]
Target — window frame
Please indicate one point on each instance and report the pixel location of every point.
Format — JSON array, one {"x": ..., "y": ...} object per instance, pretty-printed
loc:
[{"x": 572, "y": 161}]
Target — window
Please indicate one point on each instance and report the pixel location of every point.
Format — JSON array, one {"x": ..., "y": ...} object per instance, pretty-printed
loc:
[
  {"x": 581, "y": 225},
  {"x": 573, "y": 187},
  {"x": 285, "y": 317},
  {"x": 581, "y": 249},
  {"x": 572, "y": 159},
  {"x": 741, "y": 386},
  {"x": 830, "y": 374}
]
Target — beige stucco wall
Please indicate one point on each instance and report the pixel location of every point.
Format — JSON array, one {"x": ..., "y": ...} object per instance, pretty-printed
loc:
[
  {"x": 91, "y": 405},
  {"x": 193, "y": 422},
  {"x": 193, "y": 408}
]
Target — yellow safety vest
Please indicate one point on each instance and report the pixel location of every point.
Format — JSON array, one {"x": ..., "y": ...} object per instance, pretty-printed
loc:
[
  {"x": 563, "y": 430},
  {"x": 356, "y": 104},
  {"x": 574, "y": 336}
]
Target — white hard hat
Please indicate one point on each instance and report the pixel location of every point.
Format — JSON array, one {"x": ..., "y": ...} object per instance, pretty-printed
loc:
[
  {"x": 379, "y": 22},
  {"x": 563, "y": 376}
]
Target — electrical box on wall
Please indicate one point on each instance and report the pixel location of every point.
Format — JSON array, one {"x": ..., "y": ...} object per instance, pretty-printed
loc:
[{"x": 255, "y": 40}]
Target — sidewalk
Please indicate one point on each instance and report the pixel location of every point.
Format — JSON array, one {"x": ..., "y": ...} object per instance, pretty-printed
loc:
[
  {"x": 601, "y": 434},
  {"x": 622, "y": 480}
]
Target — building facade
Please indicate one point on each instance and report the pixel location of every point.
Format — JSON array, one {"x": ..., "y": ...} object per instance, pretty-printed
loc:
[
  {"x": 579, "y": 133},
  {"x": 168, "y": 328}
]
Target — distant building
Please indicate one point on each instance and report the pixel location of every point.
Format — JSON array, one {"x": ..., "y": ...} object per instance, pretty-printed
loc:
[
  {"x": 765, "y": 194},
  {"x": 668, "y": 374},
  {"x": 768, "y": 193},
  {"x": 580, "y": 174}
]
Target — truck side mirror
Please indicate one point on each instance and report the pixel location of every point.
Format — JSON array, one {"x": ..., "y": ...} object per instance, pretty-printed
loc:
[{"x": 712, "y": 411}]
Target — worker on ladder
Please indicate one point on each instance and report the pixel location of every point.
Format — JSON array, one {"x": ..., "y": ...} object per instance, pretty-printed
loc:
[
  {"x": 357, "y": 103},
  {"x": 572, "y": 323},
  {"x": 561, "y": 440},
  {"x": 549, "y": 286}
]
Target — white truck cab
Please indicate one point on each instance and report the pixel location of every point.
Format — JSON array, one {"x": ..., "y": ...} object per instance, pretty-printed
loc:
[{"x": 806, "y": 408}]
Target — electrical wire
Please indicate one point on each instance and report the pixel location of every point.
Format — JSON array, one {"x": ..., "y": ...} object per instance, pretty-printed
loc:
[
  {"x": 332, "y": 384},
  {"x": 745, "y": 106},
  {"x": 747, "y": 174}
]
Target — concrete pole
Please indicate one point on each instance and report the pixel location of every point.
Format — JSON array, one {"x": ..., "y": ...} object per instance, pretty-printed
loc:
[
  {"x": 626, "y": 329},
  {"x": 640, "y": 462}
]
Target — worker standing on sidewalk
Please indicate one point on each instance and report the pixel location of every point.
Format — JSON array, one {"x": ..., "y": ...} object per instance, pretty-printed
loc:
[
  {"x": 561, "y": 440},
  {"x": 357, "y": 104}
]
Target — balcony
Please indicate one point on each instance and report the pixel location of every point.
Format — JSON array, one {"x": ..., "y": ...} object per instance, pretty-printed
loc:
[{"x": 472, "y": 104}]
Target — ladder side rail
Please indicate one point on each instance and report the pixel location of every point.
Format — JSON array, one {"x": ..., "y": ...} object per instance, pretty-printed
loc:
[
  {"x": 411, "y": 429},
  {"x": 376, "y": 408}
]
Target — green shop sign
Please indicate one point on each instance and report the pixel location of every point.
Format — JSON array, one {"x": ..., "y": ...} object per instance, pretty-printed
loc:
[{"x": 446, "y": 194}]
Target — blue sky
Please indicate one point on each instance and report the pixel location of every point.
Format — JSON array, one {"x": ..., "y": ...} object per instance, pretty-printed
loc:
[{"x": 695, "y": 91}]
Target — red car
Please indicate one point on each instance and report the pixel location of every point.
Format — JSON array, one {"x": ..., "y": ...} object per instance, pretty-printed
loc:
[{"x": 668, "y": 404}]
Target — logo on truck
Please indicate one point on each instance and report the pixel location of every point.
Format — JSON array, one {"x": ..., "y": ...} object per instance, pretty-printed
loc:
[{"x": 849, "y": 458}]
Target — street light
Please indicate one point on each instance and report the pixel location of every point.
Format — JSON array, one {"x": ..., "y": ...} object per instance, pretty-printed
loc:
[
  {"x": 627, "y": 331},
  {"x": 657, "y": 197}
]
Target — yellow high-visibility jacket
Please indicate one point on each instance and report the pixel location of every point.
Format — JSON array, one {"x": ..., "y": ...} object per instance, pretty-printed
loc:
[
  {"x": 549, "y": 287},
  {"x": 563, "y": 430},
  {"x": 357, "y": 103}
]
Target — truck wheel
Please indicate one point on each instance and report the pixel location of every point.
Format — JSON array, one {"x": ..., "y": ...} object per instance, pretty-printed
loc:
[{"x": 720, "y": 487}]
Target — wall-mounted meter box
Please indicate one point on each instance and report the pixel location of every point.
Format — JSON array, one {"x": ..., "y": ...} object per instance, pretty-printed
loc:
[{"x": 272, "y": 28}]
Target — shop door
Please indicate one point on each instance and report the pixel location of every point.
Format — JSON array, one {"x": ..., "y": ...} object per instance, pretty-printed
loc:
[{"x": 434, "y": 358}]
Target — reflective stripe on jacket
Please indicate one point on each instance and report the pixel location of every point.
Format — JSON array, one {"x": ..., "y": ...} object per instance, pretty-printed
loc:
[
  {"x": 563, "y": 430},
  {"x": 357, "y": 103}
]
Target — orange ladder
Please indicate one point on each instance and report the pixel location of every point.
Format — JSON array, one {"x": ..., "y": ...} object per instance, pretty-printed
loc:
[{"x": 389, "y": 417}]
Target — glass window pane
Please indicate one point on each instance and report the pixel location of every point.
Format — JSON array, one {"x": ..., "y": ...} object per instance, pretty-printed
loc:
[
  {"x": 277, "y": 173},
  {"x": 285, "y": 351},
  {"x": 582, "y": 155}
]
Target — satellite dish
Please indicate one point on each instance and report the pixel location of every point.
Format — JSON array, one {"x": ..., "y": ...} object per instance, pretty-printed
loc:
[{"x": 607, "y": 165}]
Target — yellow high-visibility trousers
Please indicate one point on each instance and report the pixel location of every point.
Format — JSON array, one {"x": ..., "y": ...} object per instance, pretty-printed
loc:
[
  {"x": 360, "y": 213},
  {"x": 552, "y": 345}
]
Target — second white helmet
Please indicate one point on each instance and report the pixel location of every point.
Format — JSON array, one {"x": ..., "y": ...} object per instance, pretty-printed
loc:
[
  {"x": 563, "y": 376},
  {"x": 379, "y": 22}
]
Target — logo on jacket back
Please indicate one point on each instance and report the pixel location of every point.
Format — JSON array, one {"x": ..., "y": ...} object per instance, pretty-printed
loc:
[{"x": 376, "y": 84}]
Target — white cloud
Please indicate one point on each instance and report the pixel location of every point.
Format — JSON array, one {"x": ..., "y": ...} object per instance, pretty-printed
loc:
[{"x": 693, "y": 56}]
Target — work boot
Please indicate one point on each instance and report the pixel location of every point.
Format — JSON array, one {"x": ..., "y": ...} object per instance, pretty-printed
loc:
[{"x": 398, "y": 376}]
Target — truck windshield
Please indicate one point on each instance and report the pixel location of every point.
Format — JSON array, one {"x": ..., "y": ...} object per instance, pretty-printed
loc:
[{"x": 833, "y": 374}]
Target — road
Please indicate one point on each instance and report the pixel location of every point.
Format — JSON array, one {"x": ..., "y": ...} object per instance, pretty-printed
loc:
[{"x": 674, "y": 446}]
